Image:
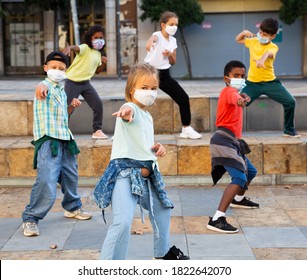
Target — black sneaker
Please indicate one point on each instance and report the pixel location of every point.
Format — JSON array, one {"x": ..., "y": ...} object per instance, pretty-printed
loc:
[
  {"x": 221, "y": 225},
  {"x": 175, "y": 254},
  {"x": 244, "y": 203}
]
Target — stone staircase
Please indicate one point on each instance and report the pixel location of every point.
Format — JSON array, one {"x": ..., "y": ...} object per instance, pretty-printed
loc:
[{"x": 279, "y": 160}]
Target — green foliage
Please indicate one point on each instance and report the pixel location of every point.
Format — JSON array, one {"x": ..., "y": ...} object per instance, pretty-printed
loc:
[
  {"x": 188, "y": 11},
  {"x": 292, "y": 9}
]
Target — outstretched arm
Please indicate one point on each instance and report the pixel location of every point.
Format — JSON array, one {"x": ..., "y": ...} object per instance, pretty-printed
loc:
[
  {"x": 125, "y": 112},
  {"x": 72, "y": 48}
]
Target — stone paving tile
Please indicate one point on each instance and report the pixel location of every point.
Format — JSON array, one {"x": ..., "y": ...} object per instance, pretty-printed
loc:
[
  {"x": 277, "y": 229},
  {"x": 87, "y": 234},
  {"x": 292, "y": 202},
  {"x": 270, "y": 237},
  {"x": 298, "y": 216},
  {"x": 51, "y": 255},
  {"x": 54, "y": 229},
  {"x": 280, "y": 253},
  {"x": 205, "y": 207},
  {"x": 263, "y": 217},
  {"x": 303, "y": 230},
  {"x": 86, "y": 254},
  {"x": 8, "y": 228},
  {"x": 30, "y": 255},
  {"x": 219, "y": 246}
]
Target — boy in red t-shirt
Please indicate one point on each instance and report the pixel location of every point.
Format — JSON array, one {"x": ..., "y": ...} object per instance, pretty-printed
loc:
[{"x": 228, "y": 149}]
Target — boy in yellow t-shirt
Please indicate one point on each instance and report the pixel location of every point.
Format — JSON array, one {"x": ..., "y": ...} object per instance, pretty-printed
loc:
[{"x": 261, "y": 78}]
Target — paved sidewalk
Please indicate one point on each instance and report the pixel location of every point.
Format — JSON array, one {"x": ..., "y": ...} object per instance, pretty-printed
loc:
[{"x": 278, "y": 230}]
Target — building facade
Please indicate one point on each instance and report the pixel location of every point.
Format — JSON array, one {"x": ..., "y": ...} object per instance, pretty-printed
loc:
[{"x": 28, "y": 34}]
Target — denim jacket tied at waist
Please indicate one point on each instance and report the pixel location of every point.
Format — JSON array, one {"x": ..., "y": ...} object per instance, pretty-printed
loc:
[{"x": 104, "y": 188}]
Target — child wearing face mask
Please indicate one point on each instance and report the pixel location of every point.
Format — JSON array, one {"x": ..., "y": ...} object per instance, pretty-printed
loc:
[
  {"x": 132, "y": 176},
  {"x": 89, "y": 60},
  {"x": 261, "y": 77},
  {"x": 55, "y": 151},
  {"x": 161, "y": 48},
  {"x": 228, "y": 150}
]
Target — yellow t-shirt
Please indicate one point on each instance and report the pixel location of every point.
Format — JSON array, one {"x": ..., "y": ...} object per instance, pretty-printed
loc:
[
  {"x": 84, "y": 64},
  {"x": 256, "y": 51}
]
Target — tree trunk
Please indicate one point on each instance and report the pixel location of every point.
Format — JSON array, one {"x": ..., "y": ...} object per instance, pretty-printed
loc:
[{"x": 186, "y": 54}]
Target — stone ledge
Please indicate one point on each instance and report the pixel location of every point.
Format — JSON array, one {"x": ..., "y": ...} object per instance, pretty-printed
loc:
[
  {"x": 272, "y": 154},
  {"x": 263, "y": 114}
]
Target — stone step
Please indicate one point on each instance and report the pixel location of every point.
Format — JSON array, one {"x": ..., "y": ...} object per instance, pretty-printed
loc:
[
  {"x": 278, "y": 159},
  {"x": 264, "y": 114}
]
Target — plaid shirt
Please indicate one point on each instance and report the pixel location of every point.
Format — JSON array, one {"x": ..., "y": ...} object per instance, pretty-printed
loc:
[{"x": 50, "y": 114}]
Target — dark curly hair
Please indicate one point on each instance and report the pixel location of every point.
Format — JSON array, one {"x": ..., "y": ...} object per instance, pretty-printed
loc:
[{"x": 88, "y": 36}]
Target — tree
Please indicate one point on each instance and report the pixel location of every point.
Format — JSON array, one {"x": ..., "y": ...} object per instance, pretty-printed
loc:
[
  {"x": 188, "y": 11},
  {"x": 292, "y": 9}
]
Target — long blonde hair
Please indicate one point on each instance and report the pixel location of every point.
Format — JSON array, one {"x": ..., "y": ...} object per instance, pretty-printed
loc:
[{"x": 137, "y": 72}]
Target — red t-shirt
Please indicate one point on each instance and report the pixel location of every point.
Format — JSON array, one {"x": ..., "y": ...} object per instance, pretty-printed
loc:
[{"x": 229, "y": 114}]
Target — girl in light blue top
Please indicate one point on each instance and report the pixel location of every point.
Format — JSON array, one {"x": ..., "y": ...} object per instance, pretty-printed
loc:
[{"x": 132, "y": 176}]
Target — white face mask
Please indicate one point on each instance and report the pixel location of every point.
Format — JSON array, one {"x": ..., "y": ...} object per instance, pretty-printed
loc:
[
  {"x": 56, "y": 75},
  {"x": 263, "y": 40},
  {"x": 145, "y": 97},
  {"x": 237, "y": 83},
  {"x": 98, "y": 44},
  {"x": 171, "y": 29}
]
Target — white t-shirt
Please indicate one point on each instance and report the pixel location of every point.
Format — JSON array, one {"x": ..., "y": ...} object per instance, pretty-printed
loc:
[
  {"x": 134, "y": 139},
  {"x": 155, "y": 57}
]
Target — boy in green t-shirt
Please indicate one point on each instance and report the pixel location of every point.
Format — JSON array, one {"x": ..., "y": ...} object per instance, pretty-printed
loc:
[{"x": 261, "y": 78}]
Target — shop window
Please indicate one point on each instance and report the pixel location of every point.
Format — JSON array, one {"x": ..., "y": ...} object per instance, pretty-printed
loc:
[{"x": 23, "y": 39}]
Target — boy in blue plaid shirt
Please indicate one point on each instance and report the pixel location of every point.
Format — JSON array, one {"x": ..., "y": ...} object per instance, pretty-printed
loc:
[{"x": 55, "y": 151}]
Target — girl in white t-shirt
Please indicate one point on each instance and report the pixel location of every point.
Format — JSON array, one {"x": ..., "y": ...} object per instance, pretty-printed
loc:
[
  {"x": 161, "y": 47},
  {"x": 132, "y": 176}
]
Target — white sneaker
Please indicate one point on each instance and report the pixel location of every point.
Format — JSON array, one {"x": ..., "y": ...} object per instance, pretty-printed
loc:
[
  {"x": 189, "y": 132},
  {"x": 79, "y": 214},
  {"x": 30, "y": 229},
  {"x": 99, "y": 135}
]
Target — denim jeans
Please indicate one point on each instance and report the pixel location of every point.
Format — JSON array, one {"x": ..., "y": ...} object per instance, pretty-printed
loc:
[
  {"x": 51, "y": 170},
  {"x": 238, "y": 177},
  {"x": 116, "y": 243}
]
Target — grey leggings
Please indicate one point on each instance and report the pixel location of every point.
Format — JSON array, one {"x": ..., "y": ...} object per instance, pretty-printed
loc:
[{"x": 90, "y": 95}]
